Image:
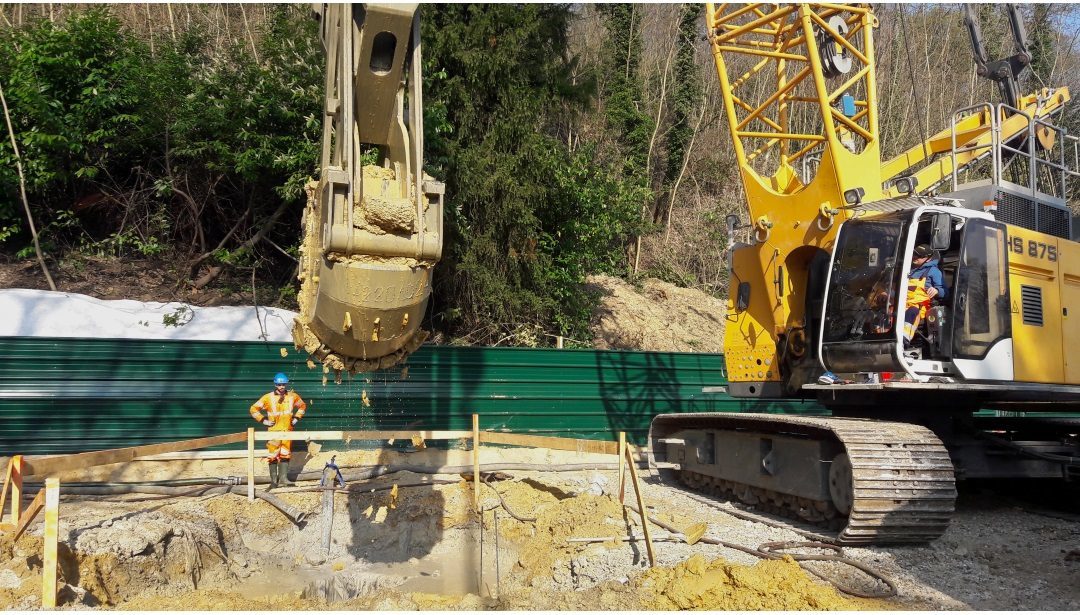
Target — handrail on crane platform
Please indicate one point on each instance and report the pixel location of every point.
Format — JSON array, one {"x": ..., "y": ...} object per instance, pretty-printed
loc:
[{"x": 1000, "y": 115}]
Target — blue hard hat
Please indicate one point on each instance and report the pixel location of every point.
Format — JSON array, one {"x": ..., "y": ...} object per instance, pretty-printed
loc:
[{"x": 281, "y": 378}]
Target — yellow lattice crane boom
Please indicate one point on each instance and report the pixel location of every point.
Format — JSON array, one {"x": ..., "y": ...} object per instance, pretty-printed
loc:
[{"x": 801, "y": 101}]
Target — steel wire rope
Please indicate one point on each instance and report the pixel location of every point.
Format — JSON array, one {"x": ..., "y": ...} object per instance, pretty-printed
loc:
[
  {"x": 914, "y": 87},
  {"x": 772, "y": 548},
  {"x": 1068, "y": 460}
]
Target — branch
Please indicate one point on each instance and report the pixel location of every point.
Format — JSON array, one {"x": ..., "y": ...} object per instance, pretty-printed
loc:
[
  {"x": 22, "y": 192},
  {"x": 251, "y": 38},
  {"x": 255, "y": 302},
  {"x": 216, "y": 270},
  {"x": 224, "y": 240},
  {"x": 660, "y": 105},
  {"x": 682, "y": 171}
]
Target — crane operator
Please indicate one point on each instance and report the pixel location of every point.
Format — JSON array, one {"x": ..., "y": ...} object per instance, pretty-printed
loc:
[{"x": 925, "y": 283}]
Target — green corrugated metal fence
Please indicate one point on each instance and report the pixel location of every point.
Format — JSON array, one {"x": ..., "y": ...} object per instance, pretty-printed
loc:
[{"x": 65, "y": 395}]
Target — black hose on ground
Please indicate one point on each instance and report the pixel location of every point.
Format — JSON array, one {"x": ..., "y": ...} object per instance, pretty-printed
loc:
[
  {"x": 356, "y": 473},
  {"x": 768, "y": 551},
  {"x": 506, "y": 507},
  {"x": 294, "y": 514}
]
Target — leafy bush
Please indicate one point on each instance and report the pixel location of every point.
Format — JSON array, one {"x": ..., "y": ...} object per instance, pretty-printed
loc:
[
  {"x": 527, "y": 219},
  {"x": 136, "y": 153}
]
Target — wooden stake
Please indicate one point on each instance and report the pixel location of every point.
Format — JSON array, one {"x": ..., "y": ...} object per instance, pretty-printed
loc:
[
  {"x": 15, "y": 461},
  {"x": 251, "y": 463},
  {"x": 622, "y": 466},
  {"x": 28, "y": 516},
  {"x": 641, "y": 505},
  {"x": 52, "y": 528},
  {"x": 480, "y": 578},
  {"x": 15, "y": 479},
  {"x": 476, "y": 460}
]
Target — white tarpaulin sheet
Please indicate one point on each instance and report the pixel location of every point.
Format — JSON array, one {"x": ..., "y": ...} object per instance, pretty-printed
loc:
[{"x": 43, "y": 313}]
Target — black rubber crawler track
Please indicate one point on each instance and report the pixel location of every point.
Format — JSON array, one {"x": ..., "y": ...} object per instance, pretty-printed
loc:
[{"x": 904, "y": 489}]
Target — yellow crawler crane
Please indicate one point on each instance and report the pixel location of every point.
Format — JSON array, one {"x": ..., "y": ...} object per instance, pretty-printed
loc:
[
  {"x": 821, "y": 285},
  {"x": 373, "y": 223}
]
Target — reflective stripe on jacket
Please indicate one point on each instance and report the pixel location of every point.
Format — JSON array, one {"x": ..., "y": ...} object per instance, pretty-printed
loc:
[
  {"x": 916, "y": 293},
  {"x": 279, "y": 409},
  {"x": 931, "y": 272}
]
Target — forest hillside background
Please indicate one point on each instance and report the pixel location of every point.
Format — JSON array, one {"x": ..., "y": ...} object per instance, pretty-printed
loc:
[{"x": 169, "y": 145}]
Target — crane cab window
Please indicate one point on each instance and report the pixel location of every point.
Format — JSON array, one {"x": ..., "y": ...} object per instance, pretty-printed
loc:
[
  {"x": 866, "y": 269},
  {"x": 980, "y": 302}
]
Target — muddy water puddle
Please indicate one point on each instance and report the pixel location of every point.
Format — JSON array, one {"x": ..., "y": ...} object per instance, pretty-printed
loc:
[
  {"x": 278, "y": 582},
  {"x": 450, "y": 569}
]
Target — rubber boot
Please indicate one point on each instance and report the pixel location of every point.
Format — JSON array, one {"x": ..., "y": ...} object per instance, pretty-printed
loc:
[
  {"x": 284, "y": 474},
  {"x": 273, "y": 475}
]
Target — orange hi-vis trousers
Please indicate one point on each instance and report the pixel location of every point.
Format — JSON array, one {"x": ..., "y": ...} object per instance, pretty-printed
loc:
[{"x": 281, "y": 409}]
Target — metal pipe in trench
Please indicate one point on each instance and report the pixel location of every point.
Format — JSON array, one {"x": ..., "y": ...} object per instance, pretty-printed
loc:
[{"x": 328, "y": 521}]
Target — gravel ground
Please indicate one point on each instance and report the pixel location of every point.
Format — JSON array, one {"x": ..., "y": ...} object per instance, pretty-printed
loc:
[
  {"x": 1005, "y": 550},
  {"x": 999, "y": 553}
]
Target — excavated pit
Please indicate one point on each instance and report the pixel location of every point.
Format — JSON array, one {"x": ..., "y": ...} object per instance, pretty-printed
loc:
[{"x": 419, "y": 547}]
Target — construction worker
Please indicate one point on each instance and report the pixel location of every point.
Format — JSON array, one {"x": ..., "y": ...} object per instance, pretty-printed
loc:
[
  {"x": 284, "y": 409},
  {"x": 924, "y": 284}
]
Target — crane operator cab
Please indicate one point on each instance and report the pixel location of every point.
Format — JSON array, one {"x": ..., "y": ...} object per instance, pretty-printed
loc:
[{"x": 920, "y": 290}]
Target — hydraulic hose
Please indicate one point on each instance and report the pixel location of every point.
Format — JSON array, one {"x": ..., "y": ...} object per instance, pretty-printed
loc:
[
  {"x": 769, "y": 551},
  {"x": 1067, "y": 460},
  {"x": 352, "y": 473},
  {"x": 294, "y": 514}
]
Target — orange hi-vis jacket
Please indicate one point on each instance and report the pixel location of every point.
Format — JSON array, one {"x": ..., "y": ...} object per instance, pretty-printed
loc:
[
  {"x": 916, "y": 305},
  {"x": 917, "y": 295},
  {"x": 280, "y": 410}
]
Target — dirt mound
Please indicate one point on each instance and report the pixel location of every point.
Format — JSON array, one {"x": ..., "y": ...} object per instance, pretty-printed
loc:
[
  {"x": 544, "y": 546},
  {"x": 719, "y": 586},
  {"x": 659, "y": 316},
  {"x": 20, "y": 571},
  {"x": 224, "y": 600}
]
